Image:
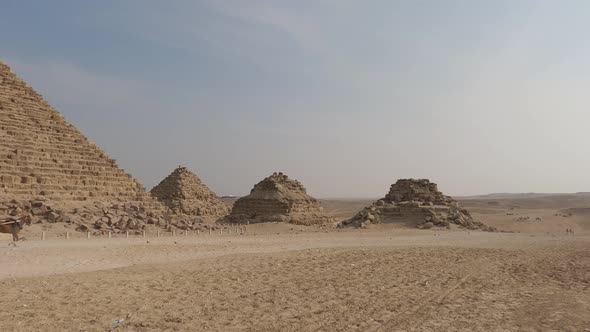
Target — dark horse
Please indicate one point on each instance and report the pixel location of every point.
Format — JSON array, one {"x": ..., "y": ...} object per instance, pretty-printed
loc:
[{"x": 11, "y": 226}]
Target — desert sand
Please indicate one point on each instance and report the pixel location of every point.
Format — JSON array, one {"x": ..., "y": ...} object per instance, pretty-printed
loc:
[{"x": 281, "y": 277}]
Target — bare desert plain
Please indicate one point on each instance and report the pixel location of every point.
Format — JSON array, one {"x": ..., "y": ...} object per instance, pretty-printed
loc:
[{"x": 280, "y": 277}]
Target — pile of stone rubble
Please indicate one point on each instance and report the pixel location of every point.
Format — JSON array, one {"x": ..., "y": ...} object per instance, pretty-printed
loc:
[{"x": 418, "y": 202}]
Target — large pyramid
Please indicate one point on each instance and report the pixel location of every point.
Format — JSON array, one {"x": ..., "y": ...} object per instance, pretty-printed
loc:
[
  {"x": 50, "y": 172},
  {"x": 42, "y": 154},
  {"x": 184, "y": 193},
  {"x": 279, "y": 199},
  {"x": 416, "y": 202}
]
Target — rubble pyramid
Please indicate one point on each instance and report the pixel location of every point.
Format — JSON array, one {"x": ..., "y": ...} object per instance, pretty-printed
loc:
[
  {"x": 184, "y": 193},
  {"x": 279, "y": 199},
  {"x": 416, "y": 202}
]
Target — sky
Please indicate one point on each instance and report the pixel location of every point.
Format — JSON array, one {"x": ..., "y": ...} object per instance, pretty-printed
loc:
[{"x": 346, "y": 96}]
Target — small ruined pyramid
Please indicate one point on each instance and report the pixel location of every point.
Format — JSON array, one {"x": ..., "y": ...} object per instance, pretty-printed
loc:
[
  {"x": 41, "y": 154},
  {"x": 184, "y": 193},
  {"x": 418, "y": 203},
  {"x": 279, "y": 199}
]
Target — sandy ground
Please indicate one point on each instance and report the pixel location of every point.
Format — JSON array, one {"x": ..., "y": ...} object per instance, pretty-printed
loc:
[
  {"x": 280, "y": 277},
  {"x": 374, "y": 280}
]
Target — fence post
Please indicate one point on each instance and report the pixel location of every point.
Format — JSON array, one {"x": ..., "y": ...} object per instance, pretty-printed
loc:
[
  {"x": 110, "y": 234},
  {"x": 158, "y": 234},
  {"x": 67, "y": 235},
  {"x": 88, "y": 235},
  {"x": 143, "y": 234},
  {"x": 127, "y": 234},
  {"x": 43, "y": 236}
]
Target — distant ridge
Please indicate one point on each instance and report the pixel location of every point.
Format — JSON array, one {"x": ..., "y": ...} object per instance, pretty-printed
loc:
[
  {"x": 517, "y": 195},
  {"x": 530, "y": 200}
]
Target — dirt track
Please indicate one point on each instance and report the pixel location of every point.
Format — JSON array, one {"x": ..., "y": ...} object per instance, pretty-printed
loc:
[{"x": 378, "y": 280}]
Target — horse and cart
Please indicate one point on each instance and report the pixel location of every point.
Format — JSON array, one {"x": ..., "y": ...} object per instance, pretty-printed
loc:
[{"x": 12, "y": 226}]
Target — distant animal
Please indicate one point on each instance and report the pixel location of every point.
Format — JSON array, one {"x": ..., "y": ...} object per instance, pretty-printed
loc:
[
  {"x": 538, "y": 219},
  {"x": 12, "y": 226}
]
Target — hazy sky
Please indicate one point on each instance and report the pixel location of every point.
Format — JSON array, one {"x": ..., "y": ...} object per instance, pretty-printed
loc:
[{"x": 346, "y": 96}]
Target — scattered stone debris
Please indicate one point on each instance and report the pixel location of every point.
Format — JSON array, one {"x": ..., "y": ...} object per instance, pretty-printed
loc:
[
  {"x": 279, "y": 199},
  {"x": 416, "y": 202},
  {"x": 527, "y": 218},
  {"x": 98, "y": 217},
  {"x": 564, "y": 215}
]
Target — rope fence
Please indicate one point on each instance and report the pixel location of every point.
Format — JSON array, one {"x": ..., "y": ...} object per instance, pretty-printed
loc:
[{"x": 225, "y": 230}]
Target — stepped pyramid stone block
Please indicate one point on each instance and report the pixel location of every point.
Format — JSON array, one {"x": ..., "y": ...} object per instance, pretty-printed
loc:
[
  {"x": 184, "y": 193},
  {"x": 41, "y": 154},
  {"x": 418, "y": 203},
  {"x": 279, "y": 199}
]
